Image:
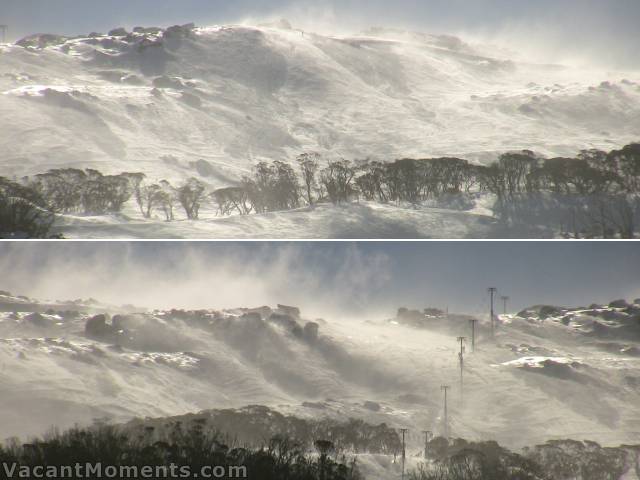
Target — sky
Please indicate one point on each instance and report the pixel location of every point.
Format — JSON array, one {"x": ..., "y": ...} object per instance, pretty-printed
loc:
[
  {"x": 325, "y": 278},
  {"x": 561, "y": 29}
]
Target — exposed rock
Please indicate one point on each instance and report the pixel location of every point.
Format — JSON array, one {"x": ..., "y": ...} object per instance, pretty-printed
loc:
[
  {"x": 310, "y": 332},
  {"x": 610, "y": 315},
  {"x": 121, "y": 322},
  {"x": 37, "y": 320},
  {"x": 287, "y": 310},
  {"x": 168, "y": 82},
  {"x": 179, "y": 31},
  {"x": 252, "y": 317},
  {"x": 97, "y": 328},
  {"x": 118, "y": 32},
  {"x": 286, "y": 321},
  {"x": 551, "y": 368},
  {"x": 146, "y": 43},
  {"x": 619, "y": 304},
  {"x": 541, "y": 311},
  {"x": 263, "y": 311},
  {"x": 148, "y": 30},
  {"x": 372, "y": 406},
  {"x": 41, "y": 40}
]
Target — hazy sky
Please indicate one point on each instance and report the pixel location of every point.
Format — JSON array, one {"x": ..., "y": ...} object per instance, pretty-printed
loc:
[
  {"x": 325, "y": 277},
  {"x": 603, "y": 28}
]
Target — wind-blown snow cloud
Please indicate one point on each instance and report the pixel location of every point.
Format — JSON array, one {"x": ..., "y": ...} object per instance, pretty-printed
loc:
[
  {"x": 173, "y": 275},
  {"x": 566, "y": 31},
  {"x": 561, "y": 30},
  {"x": 325, "y": 279}
]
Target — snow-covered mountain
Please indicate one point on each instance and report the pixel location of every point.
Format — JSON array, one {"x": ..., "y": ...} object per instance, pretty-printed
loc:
[
  {"x": 551, "y": 373},
  {"x": 157, "y": 100},
  {"x": 211, "y": 102}
]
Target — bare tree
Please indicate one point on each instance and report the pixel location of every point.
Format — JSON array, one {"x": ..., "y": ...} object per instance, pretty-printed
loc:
[
  {"x": 190, "y": 196},
  {"x": 233, "y": 198},
  {"x": 62, "y": 189},
  {"x": 147, "y": 196},
  {"x": 309, "y": 164},
  {"x": 166, "y": 198},
  {"x": 337, "y": 179}
]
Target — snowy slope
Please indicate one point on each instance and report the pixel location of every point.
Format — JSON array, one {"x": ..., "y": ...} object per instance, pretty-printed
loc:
[
  {"x": 232, "y": 95},
  {"x": 212, "y": 102},
  {"x": 542, "y": 379},
  {"x": 349, "y": 221}
]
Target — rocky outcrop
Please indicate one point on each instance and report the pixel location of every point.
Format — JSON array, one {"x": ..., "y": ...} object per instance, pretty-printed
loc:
[
  {"x": 98, "y": 328},
  {"x": 287, "y": 322},
  {"x": 263, "y": 311},
  {"x": 41, "y": 40},
  {"x": 310, "y": 332},
  {"x": 148, "y": 30},
  {"x": 37, "y": 320},
  {"x": 180, "y": 31},
  {"x": 619, "y": 304},
  {"x": 541, "y": 311},
  {"x": 168, "y": 82},
  {"x": 118, "y": 32},
  {"x": 291, "y": 311}
]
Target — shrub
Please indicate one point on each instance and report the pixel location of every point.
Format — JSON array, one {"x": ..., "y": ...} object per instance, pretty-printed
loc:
[{"x": 22, "y": 212}]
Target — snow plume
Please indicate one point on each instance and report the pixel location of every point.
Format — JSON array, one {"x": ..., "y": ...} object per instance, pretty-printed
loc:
[
  {"x": 602, "y": 30},
  {"x": 321, "y": 280},
  {"x": 573, "y": 32},
  {"x": 320, "y": 18}
]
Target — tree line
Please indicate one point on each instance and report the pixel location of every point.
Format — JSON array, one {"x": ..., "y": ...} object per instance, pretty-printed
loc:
[
  {"x": 29, "y": 206},
  {"x": 194, "y": 441},
  {"x": 181, "y": 446},
  {"x": 459, "y": 459},
  {"x": 250, "y": 425},
  {"x": 594, "y": 188}
]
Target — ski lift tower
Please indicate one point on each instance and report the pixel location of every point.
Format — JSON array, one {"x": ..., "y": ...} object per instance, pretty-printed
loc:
[{"x": 3, "y": 32}]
